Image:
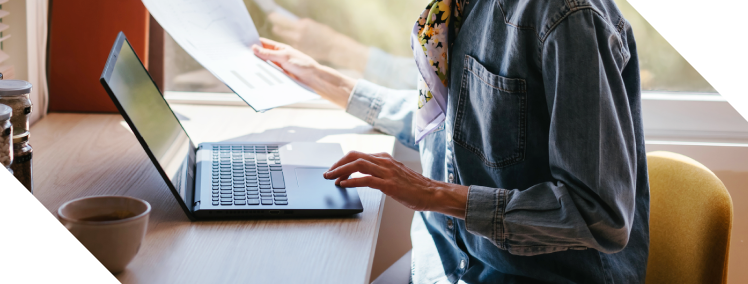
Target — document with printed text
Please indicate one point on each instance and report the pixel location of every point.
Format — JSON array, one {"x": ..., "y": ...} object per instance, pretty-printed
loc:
[{"x": 219, "y": 34}]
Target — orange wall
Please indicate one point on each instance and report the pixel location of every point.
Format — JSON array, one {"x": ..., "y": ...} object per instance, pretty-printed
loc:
[{"x": 81, "y": 35}]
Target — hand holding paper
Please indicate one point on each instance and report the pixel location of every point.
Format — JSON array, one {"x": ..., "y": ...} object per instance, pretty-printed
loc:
[
  {"x": 218, "y": 34},
  {"x": 327, "y": 82}
]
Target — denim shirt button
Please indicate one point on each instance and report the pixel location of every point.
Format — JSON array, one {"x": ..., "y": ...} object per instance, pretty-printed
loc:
[
  {"x": 462, "y": 264},
  {"x": 451, "y": 177},
  {"x": 449, "y": 224}
]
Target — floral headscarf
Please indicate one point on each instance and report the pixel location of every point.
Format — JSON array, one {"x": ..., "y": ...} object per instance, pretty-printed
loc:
[{"x": 431, "y": 34}]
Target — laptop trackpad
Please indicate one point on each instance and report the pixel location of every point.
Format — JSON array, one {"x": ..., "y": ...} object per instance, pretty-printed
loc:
[
  {"x": 323, "y": 192},
  {"x": 312, "y": 178}
]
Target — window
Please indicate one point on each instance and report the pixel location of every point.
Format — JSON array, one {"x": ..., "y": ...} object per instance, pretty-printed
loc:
[
  {"x": 386, "y": 25},
  {"x": 661, "y": 67}
]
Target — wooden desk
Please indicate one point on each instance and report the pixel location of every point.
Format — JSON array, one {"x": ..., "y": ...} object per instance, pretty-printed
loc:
[{"x": 79, "y": 155}]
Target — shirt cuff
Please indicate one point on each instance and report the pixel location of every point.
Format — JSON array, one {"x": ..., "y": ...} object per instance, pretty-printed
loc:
[
  {"x": 365, "y": 101},
  {"x": 485, "y": 213}
]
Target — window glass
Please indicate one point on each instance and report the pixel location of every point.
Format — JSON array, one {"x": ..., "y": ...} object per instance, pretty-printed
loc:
[
  {"x": 662, "y": 68},
  {"x": 345, "y": 34}
]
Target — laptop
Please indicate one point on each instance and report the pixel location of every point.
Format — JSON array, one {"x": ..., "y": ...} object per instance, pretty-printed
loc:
[{"x": 223, "y": 179}]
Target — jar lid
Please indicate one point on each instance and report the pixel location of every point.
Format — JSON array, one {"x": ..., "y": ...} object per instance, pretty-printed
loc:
[
  {"x": 5, "y": 112},
  {"x": 24, "y": 137},
  {"x": 11, "y": 88}
]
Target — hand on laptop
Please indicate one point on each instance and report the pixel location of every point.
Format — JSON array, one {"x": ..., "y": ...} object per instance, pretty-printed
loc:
[
  {"x": 400, "y": 182},
  {"x": 327, "y": 82}
]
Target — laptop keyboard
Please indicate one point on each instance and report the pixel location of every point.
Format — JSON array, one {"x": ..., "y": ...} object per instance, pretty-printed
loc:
[{"x": 248, "y": 176}]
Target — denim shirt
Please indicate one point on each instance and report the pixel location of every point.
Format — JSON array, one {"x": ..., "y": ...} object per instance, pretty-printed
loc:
[{"x": 544, "y": 126}]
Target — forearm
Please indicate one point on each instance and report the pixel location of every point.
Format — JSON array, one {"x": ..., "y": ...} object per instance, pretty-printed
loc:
[
  {"x": 348, "y": 53},
  {"x": 332, "y": 85}
]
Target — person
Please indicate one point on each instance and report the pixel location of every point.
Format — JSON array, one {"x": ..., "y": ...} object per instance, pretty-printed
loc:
[
  {"x": 534, "y": 167},
  {"x": 323, "y": 43}
]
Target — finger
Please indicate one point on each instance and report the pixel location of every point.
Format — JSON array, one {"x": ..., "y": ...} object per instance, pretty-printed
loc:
[
  {"x": 271, "y": 44},
  {"x": 339, "y": 179},
  {"x": 350, "y": 157},
  {"x": 367, "y": 181},
  {"x": 270, "y": 54},
  {"x": 354, "y": 175},
  {"x": 382, "y": 155},
  {"x": 360, "y": 165}
]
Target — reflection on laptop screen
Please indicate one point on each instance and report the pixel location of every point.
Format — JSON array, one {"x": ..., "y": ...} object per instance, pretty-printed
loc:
[{"x": 149, "y": 113}]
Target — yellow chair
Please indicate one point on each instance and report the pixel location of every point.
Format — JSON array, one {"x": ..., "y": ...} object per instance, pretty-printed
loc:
[{"x": 689, "y": 222}]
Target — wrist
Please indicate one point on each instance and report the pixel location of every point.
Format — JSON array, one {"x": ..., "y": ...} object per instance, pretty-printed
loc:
[
  {"x": 332, "y": 85},
  {"x": 449, "y": 199}
]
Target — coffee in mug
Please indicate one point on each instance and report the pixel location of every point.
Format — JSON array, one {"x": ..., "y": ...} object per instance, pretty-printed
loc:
[{"x": 112, "y": 228}]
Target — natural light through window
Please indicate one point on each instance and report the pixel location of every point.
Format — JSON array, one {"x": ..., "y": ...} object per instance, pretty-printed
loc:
[{"x": 345, "y": 34}]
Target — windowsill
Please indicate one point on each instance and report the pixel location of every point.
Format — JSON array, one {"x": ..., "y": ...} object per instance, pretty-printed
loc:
[
  {"x": 692, "y": 118},
  {"x": 669, "y": 118},
  {"x": 231, "y": 99}
]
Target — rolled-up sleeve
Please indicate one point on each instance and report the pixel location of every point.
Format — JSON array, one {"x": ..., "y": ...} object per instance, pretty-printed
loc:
[
  {"x": 387, "y": 110},
  {"x": 592, "y": 152}
]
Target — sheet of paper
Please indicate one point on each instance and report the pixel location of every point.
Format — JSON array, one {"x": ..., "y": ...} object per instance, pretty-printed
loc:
[{"x": 219, "y": 35}]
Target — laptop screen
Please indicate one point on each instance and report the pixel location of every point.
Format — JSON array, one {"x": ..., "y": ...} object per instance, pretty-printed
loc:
[{"x": 152, "y": 119}]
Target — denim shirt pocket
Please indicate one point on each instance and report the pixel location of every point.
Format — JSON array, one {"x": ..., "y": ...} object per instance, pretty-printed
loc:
[{"x": 491, "y": 116}]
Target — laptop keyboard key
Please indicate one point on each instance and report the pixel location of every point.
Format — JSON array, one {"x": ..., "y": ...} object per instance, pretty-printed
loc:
[
  {"x": 267, "y": 202},
  {"x": 281, "y": 199},
  {"x": 277, "y": 178},
  {"x": 281, "y": 203}
]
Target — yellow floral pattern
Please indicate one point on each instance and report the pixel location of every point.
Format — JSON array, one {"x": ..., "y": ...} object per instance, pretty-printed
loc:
[{"x": 433, "y": 35}]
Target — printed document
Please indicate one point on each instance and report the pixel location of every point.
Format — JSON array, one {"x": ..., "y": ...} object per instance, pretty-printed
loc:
[{"x": 219, "y": 34}]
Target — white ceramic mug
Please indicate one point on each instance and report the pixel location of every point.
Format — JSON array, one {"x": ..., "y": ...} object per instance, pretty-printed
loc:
[{"x": 110, "y": 227}]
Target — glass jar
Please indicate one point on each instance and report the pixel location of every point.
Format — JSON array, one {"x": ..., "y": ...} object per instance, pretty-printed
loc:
[
  {"x": 15, "y": 94},
  {"x": 21, "y": 165},
  {"x": 6, "y": 129}
]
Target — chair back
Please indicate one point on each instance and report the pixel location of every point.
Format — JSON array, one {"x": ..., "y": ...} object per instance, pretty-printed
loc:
[{"x": 689, "y": 222}]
